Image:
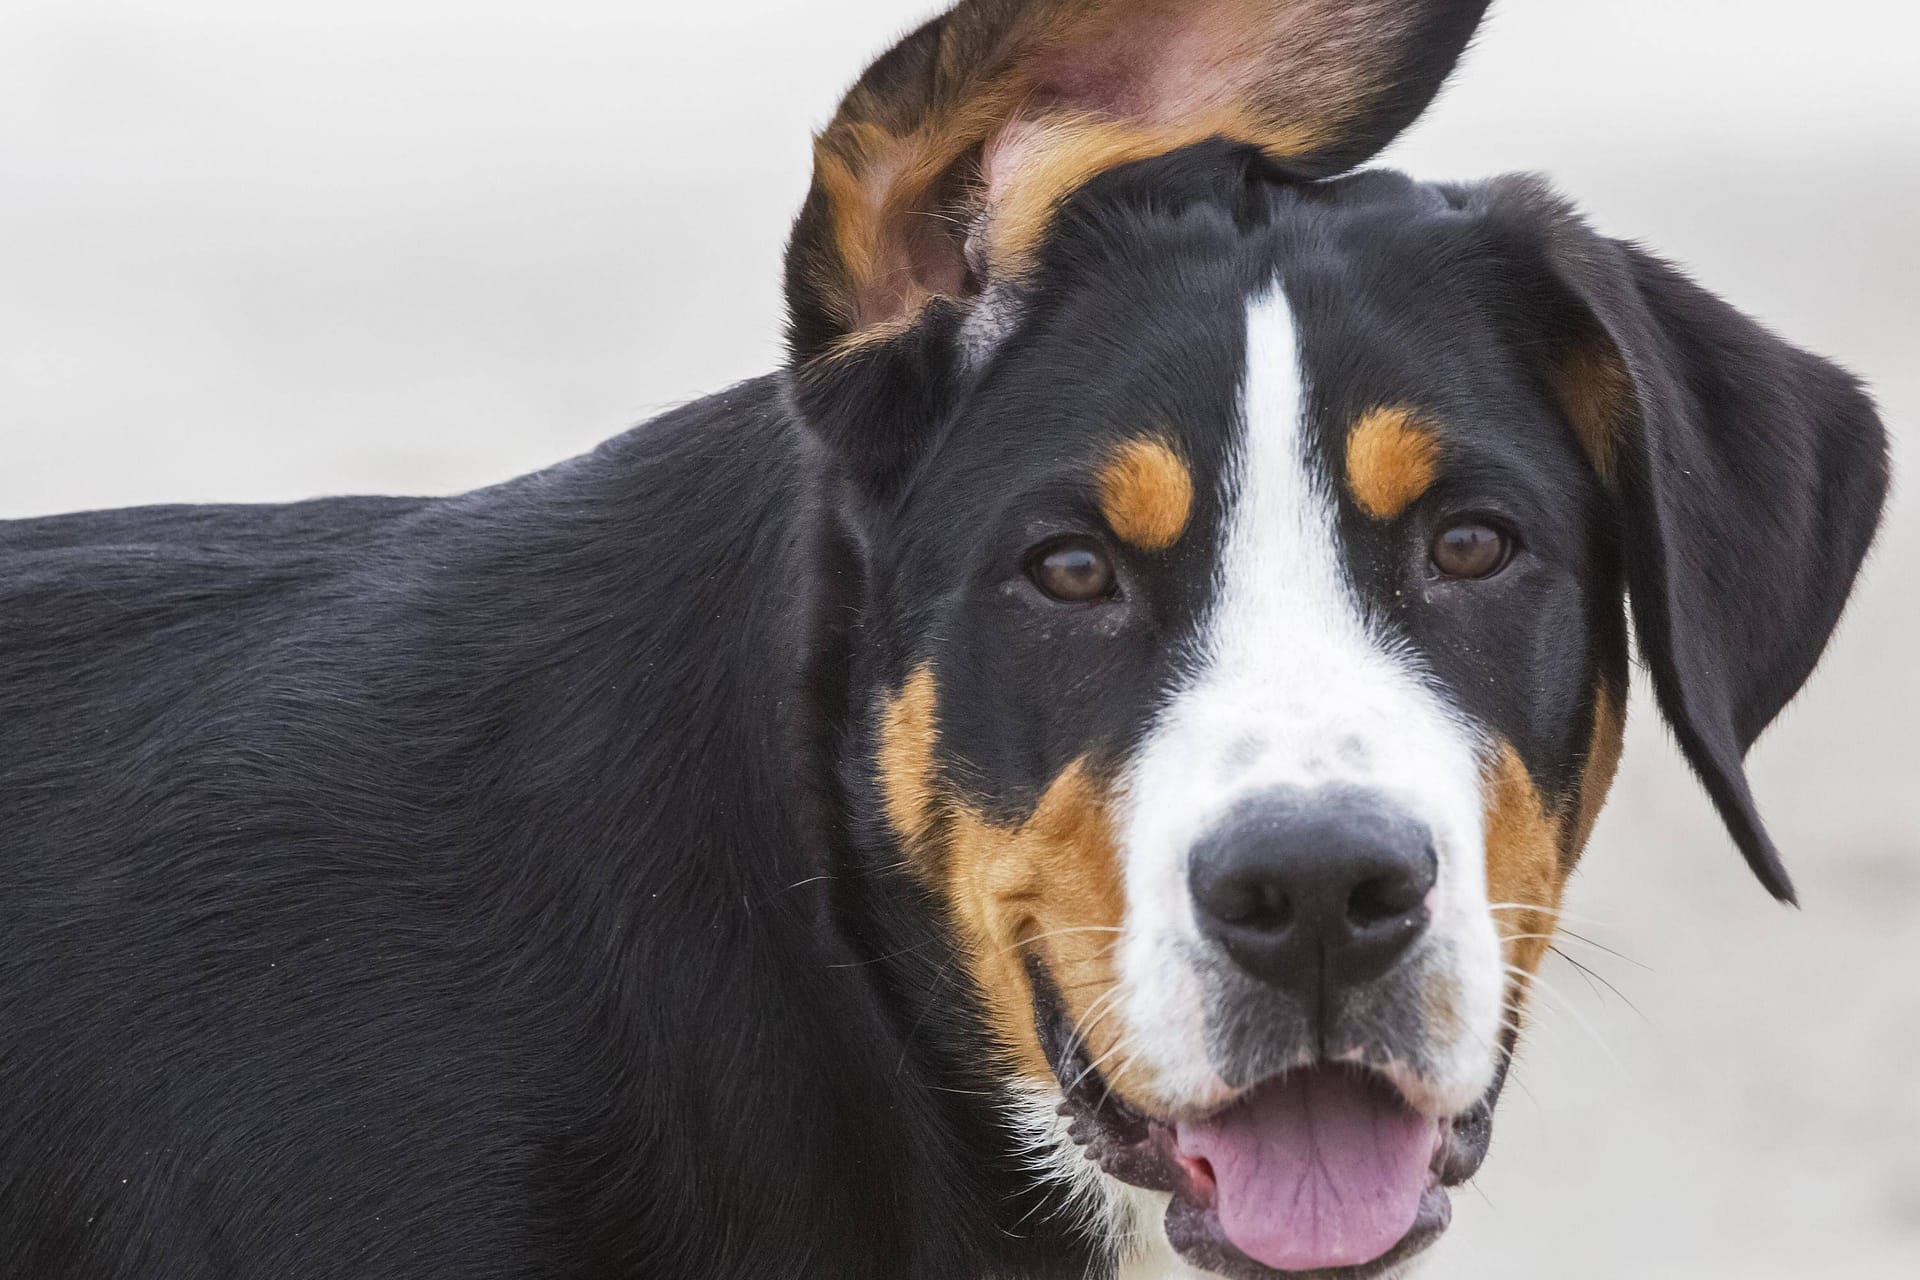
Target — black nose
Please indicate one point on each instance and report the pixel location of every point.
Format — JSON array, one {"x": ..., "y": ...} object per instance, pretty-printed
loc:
[{"x": 1305, "y": 889}]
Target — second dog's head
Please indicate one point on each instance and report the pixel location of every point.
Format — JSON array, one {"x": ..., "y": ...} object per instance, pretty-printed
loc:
[{"x": 1244, "y": 563}]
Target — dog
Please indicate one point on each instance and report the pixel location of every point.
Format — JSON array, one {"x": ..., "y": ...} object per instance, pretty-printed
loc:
[{"x": 1072, "y": 776}]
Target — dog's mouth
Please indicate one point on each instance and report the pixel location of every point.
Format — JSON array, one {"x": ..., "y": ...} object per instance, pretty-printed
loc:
[{"x": 1324, "y": 1172}]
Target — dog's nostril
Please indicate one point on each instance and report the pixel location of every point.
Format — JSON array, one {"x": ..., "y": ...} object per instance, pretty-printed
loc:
[
  {"x": 1380, "y": 899},
  {"x": 1255, "y": 904},
  {"x": 1276, "y": 908}
]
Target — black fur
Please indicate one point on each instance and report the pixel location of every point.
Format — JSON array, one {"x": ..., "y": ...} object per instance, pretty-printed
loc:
[
  {"x": 403, "y": 888},
  {"x": 495, "y": 886},
  {"x": 1753, "y": 475}
]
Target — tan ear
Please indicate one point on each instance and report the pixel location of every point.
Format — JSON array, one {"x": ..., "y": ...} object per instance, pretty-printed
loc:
[{"x": 944, "y": 165}]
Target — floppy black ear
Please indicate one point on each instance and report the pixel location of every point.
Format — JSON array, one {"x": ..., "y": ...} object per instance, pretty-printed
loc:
[
  {"x": 940, "y": 176},
  {"x": 1750, "y": 478}
]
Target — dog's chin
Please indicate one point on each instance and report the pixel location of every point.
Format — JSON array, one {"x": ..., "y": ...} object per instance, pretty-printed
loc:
[{"x": 1326, "y": 1172}]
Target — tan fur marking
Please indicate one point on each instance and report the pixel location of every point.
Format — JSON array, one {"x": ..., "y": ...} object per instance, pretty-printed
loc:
[
  {"x": 1062, "y": 155},
  {"x": 1049, "y": 884},
  {"x": 1523, "y": 859},
  {"x": 1597, "y": 395},
  {"x": 1146, "y": 494},
  {"x": 1006, "y": 108},
  {"x": 1603, "y": 761},
  {"x": 1532, "y": 846},
  {"x": 907, "y": 739},
  {"x": 1393, "y": 456}
]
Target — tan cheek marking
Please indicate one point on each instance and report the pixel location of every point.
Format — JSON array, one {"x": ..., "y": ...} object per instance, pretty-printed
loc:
[
  {"x": 1392, "y": 458},
  {"x": 1603, "y": 761},
  {"x": 907, "y": 739},
  {"x": 1050, "y": 883},
  {"x": 1523, "y": 862},
  {"x": 1146, "y": 494},
  {"x": 1532, "y": 846},
  {"x": 1053, "y": 884}
]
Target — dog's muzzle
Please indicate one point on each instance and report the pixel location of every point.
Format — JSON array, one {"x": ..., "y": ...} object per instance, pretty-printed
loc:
[{"x": 1325, "y": 1152}]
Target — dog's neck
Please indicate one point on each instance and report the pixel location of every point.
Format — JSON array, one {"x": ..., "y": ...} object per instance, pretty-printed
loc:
[{"x": 816, "y": 958}]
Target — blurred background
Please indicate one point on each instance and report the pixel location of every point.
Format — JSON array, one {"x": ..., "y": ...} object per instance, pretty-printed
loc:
[{"x": 263, "y": 251}]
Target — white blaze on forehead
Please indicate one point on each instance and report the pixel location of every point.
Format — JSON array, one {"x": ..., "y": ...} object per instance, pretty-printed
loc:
[{"x": 1289, "y": 685}]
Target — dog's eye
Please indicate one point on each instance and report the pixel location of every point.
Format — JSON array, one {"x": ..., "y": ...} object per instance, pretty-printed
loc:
[
  {"x": 1471, "y": 549},
  {"x": 1073, "y": 570}
]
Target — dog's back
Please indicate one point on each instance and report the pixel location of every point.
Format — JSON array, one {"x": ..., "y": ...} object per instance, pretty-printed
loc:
[
  {"x": 214, "y": 934},
  {"x": 311, "y": 814}
]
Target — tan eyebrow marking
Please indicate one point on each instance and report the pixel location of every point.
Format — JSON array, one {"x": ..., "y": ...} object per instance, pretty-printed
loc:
[
  {"x": 1393, "y": 456},
  {"x": 1146, "y": 493}
]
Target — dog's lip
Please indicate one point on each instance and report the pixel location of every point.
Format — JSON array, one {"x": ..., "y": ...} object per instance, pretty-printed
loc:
[{"x": 1138, "y": 1149}]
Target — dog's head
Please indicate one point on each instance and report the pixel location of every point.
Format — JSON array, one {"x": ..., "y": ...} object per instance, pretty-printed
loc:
[{"x": 1244, "y": 566}]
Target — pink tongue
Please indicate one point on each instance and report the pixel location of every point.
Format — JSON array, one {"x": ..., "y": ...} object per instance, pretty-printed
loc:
[{"x": 1319, "y": 1169}]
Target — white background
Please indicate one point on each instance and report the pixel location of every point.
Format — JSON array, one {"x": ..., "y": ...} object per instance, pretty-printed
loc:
[{"x": 263, "y": 249}]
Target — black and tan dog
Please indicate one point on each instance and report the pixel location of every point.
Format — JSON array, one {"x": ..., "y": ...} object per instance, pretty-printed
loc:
[{"x": 1071, "y": 777}]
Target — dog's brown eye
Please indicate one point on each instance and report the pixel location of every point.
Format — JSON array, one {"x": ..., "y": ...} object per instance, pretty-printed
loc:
[
  {"x": 1075, "y": 571},
  {"x": 1471, "y": 549}
]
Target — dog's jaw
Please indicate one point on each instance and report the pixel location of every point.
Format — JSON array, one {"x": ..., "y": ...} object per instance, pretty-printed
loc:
[{"x": 1125, "y": 1223}]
